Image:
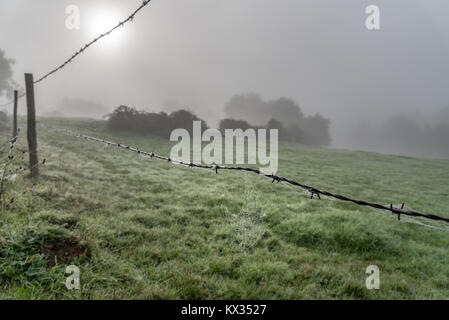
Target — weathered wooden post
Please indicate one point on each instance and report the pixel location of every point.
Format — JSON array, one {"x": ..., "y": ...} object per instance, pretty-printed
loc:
[
  {"x": 14, "y": 120},
  {"x": 31, "y": 125}
]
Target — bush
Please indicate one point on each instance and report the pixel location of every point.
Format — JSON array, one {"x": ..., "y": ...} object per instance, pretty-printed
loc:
[
  {"x": 184, "y": 119},
  {"x": 128, "y": 119}
]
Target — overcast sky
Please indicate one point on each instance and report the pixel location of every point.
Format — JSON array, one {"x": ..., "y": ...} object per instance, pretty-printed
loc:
[{"x": 200, "y": 52}]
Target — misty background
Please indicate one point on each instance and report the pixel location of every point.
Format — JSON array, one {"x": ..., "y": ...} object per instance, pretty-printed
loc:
[{"x": 383, "y": 90}]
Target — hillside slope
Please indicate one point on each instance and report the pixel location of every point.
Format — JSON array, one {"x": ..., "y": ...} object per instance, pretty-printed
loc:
[{"x": 139, "y": 228}]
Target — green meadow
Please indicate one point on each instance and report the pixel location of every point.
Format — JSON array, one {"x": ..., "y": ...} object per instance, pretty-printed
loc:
[{"x": 145, "y": 229}]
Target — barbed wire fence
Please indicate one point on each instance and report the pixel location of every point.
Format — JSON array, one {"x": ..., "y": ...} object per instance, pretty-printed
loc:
[
  {"x": 312, "y": 191},
  {"x": 11, "y": 167},
  {"x": 278, "y": 179},
  {"x": 30, "y": 82}
]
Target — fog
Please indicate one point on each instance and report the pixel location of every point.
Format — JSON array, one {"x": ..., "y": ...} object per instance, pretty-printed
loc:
[{"x": 372, "y": 85}]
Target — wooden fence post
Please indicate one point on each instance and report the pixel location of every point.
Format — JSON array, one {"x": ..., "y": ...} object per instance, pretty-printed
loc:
[
  {"x": 31, "y": 125},
  {"x": 14, "y": 121}
]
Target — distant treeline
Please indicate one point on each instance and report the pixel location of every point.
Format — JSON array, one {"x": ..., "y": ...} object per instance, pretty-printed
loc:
[
  {"x": 405, "y": 135},
  {"x": 245, "y": 111},
  {"x": 283, "y": 114},
  {"x": 292, "y": 133}
]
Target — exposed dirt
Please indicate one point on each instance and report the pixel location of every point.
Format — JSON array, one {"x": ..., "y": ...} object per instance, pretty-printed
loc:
[{"x": 62, "y": 250}]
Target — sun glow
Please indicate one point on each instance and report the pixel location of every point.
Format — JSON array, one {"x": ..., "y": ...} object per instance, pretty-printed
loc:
[{"x": 101, "y": 21}]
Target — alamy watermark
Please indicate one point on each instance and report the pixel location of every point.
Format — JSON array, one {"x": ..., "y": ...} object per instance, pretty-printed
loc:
[
  {"x": 234, "y": 153},
  {"x": 73, "y": 19},
  {"x": 372, "y": 22},
  {"x": 72, "y": 281},
  {"x": 373, "y": 279}
]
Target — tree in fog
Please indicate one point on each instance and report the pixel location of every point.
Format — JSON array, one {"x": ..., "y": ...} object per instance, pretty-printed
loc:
[
  {"x": 283, "y": 114},
  {"x": 252, "y": 108},
  {"x": 7, "y": 84},
  {"x": 405, "y": 134},
  {"x": 316, "y": 130},
  {"x": 402, "y": 132},
  {"x": 249, "y": 107},
  {"x": 285, "y": 110},
  {"x": 184, "y": 119}
]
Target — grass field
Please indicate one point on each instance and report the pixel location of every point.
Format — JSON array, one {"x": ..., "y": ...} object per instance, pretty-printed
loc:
[{"x": 143, "y": 229}]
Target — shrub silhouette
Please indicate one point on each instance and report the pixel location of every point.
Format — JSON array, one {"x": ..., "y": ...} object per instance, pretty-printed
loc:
[
  {"x": 184, "y": 119},
  {"x": 127, "y": 119}
]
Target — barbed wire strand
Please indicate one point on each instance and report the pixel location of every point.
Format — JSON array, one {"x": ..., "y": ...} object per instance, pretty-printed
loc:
[
  {"x": 12, "y": 101},
  {"x": 312, "y": 190},
  {"x": 411, "y": 220},
  {"x": 279, "y": 179}
]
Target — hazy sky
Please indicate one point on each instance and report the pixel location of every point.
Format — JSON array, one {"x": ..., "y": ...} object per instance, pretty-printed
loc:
[{"x": 200, "y": 52}]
